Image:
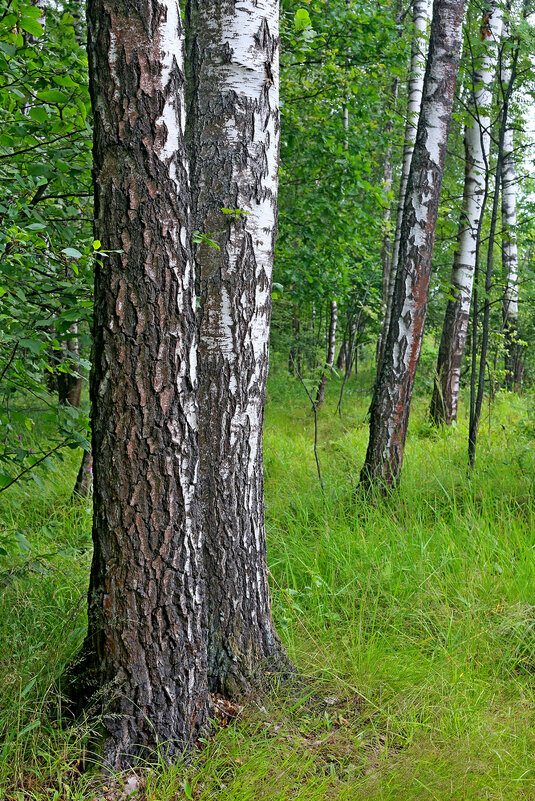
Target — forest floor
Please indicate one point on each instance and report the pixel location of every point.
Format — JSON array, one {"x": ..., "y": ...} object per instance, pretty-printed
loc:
[{"x": 413, "y": 616}]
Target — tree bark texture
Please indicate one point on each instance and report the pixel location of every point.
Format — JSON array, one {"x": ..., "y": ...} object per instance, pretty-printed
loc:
[
  {"x": 69, "y": 384},
  {"x": 420, "y": 18},
  {"x": 389, "y": 413},
  {"x": 84, "y": 480},
  {"x": 146, "y": 640},
  {"x": 329, "y": 362},
  {"x": 445, "y": 396},
  {"x": 513, "y": 350},
  {"x": 233, "y": 54}
]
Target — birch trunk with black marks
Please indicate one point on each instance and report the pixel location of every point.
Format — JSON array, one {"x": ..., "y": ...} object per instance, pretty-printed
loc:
[
  {"x": 445, "y": 398},
  {"x": 514, "y": 368},
  {"x": 146, "y": 645},
  {"x": 420, "y": 18},
  {"x": 233, "y": 55},
  {"x": 476, "y": 392},
  {"x": 329, "y": 362},
  {"x": 389, "y": 412}
]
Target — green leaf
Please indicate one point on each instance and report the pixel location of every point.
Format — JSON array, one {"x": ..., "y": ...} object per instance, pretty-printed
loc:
[
  {"x": 72, "y": 253},
  {"x": 31, "y": 26},
  {"x": 36, "y": 227},
  {"x": 8, "y": 49},
  {"x": 302, "y": 19},
  {"x": 53, "y": 96},
  {"x": 22, "y": 542},
  {"x": 32, "y": 344},
  {"x": 97, "y": 244},
  {"x": 40, "y": 169},
  {"x": 38, "y": 114}
]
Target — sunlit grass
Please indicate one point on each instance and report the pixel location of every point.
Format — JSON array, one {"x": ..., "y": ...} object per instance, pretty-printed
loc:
[{"x": 414, "y": 615}]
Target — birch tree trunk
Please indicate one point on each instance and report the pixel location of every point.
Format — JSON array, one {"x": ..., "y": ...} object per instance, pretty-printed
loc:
[
  {"x": 389, "y": 413},
  {"x": 513, "y": 350},
  {"x": 445, "y": 396},
  {"x": 145, "y": 649},
  {"x": 234, "y": 60},
  {"x": 329, "y": 362},
  {"x": 420, "y": 18}
]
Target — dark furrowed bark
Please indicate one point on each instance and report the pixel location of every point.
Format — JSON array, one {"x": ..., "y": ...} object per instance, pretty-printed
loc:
[
  {"x": 389, "y": 413},
  {"x": 234, "y": 119},
  {"x": 145, "y": 649}
]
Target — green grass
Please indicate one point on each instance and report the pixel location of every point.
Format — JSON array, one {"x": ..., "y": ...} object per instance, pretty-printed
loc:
[{"x": 414, "y": 615}]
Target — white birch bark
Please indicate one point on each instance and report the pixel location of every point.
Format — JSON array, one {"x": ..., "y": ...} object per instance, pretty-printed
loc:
[
  {"x": 476, "y": 139},
  {"x": 509, "y": 246},
  {"x": 389, "y": 412},
  {"x": 420, "y": 16},
  {"x": 234, "y": 61},
  {"x": 513, "y": 362}
]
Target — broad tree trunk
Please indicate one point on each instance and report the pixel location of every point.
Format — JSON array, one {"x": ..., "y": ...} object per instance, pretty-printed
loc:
[
  {"x": 145, "y": 649},
  {"x": 329, "y": 362},
  {"x": 513, "y": 350},
  {"x": 420, "y": 17},
  {"x": 234, "y": 60},
  {"x": 445, "y": 396},
  {"x": 389, "y": 413}
]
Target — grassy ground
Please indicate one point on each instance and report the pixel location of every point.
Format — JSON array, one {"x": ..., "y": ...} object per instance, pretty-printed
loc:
[{"x": 415, "y": 616}]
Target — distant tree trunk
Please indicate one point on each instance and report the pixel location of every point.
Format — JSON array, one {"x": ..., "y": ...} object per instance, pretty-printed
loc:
[
  {"x": 420, "y": 18},
  {"x": 329, "y": 362},
  {"x": 294, "y": 357},
  {"x": 348, "y": 361},
  {"x": 145, "y": 647},
  {"x": 386, "y": 245},
  {"x": 514, "y": 367},
  {"x": 69, "y": 385},
  {"x": 476, "y": 392},
  {"x": 389, "y": 413},
  {"x": 445, "y": 396},
  {"x": 84, "y": 480},
  {"x": 234, "y": 62},
  {"x": 341, "y": 358}
]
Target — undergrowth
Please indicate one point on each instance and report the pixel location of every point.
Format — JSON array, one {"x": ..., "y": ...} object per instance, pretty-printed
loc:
[{"x": 413, "y": 616}]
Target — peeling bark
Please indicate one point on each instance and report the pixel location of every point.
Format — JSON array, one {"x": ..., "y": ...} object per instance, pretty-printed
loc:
[
  {"x": 329, "y": 362},
  {"x": 233, "y": 55},
  {"x": 420, "y": 18},
  {"x": 389, "y": 413},
  {"x": 145, "y": 647},
  {"x": 476, "y": 393},
  {"x": 445, "y": 397},
  {"x": 514, "y": 367}
]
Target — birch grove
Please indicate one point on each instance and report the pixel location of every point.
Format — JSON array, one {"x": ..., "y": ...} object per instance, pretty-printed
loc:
[
  {"x": 389, "y": 413},
  {"x": 420, "y": 19},
  {"x": 445, "y": 397}
]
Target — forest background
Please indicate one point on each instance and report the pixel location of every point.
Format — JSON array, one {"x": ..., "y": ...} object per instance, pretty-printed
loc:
[{"x": 415, "y": 611}]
